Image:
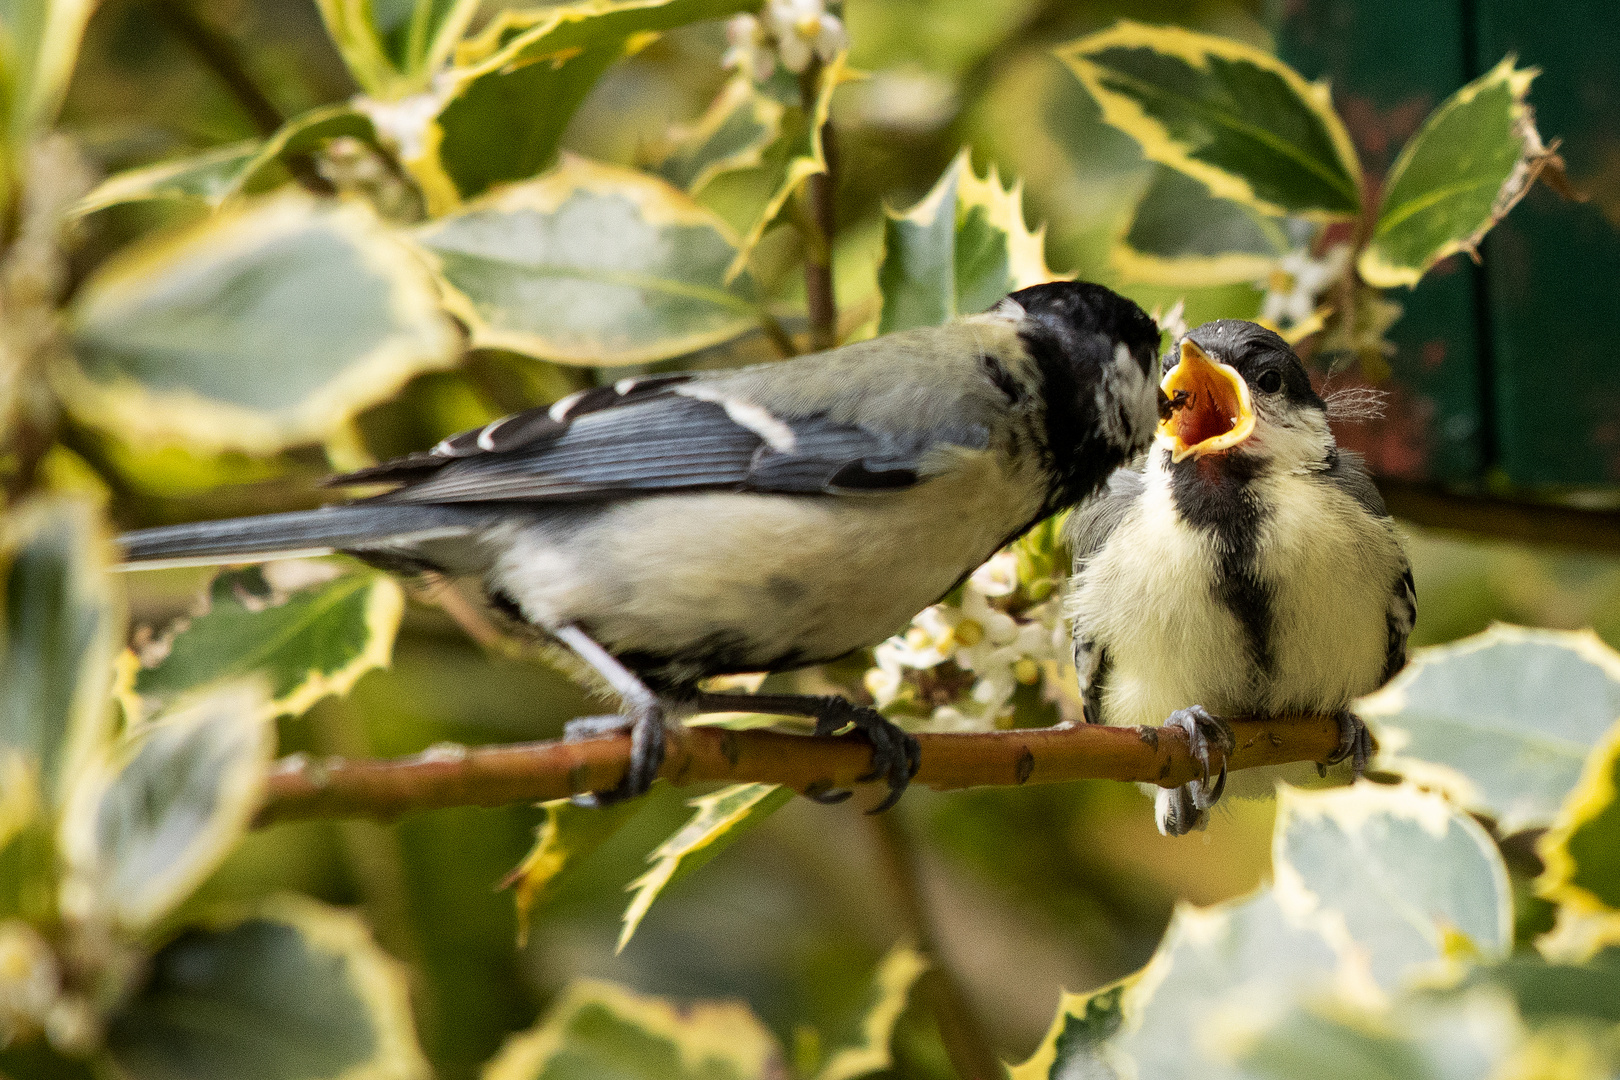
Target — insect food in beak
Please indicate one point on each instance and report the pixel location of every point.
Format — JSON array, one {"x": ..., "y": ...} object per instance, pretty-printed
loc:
[{"x": 1209, "y": 405}]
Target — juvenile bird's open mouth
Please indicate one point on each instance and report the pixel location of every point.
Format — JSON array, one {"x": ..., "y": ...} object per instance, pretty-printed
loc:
[{"x": 1213, "y": 410}]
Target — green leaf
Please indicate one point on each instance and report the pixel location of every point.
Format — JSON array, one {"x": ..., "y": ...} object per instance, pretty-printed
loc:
[
  {"x": 1246, "y": 958},
  {"x": 720, "y": 819},
  {"x": 298, "y": 991},
  {"x": 591, "y": 264},
  {"x": 1246, "y": 124},
  {"x": 796, "y": 155},
  {"x": 1473, "y": 159},
  {"x": 568, "y": 834},
  {"x": 267, "y": 325},
  {"x": 868, "y": 1051},
  {"x": 1414, "y": 879},
  {"x": 219, "y": 174},
  {"x": 39, "y": 44},
  {"x": 1084, "y": 1023},
  {"x": 498, "y": 114},
  {"x": 307, "y": 644},
  {"x": 210, "y": 177},
  {"x": 147, "y": 824},
  {"x": 957, "y": 252},
  {"x": 62, "y": 622},
  {"x": 1582, "y": 849},
  {"x": 1473, "y": 1035},
  {"x": 598, "y": 1029},
  {"x": 1181, "y": 235},
  {"x": 1501, "y": 721},
  {"x": 732, "y": 134},
  {"x": 359, "y": 41}
]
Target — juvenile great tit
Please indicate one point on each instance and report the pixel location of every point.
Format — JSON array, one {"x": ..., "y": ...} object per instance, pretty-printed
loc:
[
  {"x": 1246, "y": 566},
  {"x": 667, "y": 528}
]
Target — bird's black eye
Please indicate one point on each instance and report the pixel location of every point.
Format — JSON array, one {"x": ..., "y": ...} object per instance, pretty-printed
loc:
[{"x": 1270, "y": 381}]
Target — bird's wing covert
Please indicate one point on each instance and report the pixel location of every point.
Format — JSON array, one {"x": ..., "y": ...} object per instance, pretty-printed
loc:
[{"x": 651, "y": 434}]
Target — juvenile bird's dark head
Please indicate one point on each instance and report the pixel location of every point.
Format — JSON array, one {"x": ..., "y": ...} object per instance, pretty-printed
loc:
[{"x": 1238, "y": 386}]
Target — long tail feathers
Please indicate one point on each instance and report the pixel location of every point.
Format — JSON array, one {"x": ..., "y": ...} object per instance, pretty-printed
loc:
[{"x": 281, "y": 536}]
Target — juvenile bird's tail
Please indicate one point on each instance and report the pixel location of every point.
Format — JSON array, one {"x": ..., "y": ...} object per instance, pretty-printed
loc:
[{"x": 300, "y": 533}]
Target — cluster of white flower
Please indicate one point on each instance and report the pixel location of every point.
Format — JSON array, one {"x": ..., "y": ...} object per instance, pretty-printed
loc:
[
  {"x": 958, "y": 665},
  {"x": 1294, "y": 287},
  {"x": 793, "y": 31}
]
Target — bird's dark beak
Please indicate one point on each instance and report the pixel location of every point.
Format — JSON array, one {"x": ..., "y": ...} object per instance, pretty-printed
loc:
[{"x": 1216, "y": 413}]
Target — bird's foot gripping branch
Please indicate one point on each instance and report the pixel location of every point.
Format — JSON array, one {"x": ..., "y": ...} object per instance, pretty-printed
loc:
[{"x": 301, "y": 787}]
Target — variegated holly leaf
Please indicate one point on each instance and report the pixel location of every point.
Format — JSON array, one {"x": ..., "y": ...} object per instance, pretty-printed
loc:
[
  {"x": 393, "y": 47},
  {"x": 1501, "y": 721},
  {"x": 497, "y": 114},
  {"x": 1473, "y": 159},
  {"x": 568, "y": 834},
  {"x": 296, "y": 991},
  {"x": 957, "y": 252},
  {"x": 732, "y": 134},
  {"x": 598, "y": 1029},
  {"x": 591, "y": 264},
  {"x": 1414, "y": 879},
  {"x": 243, "y": 168},
  {"x": 1246, "y": 958},
  {"x": 210, "y": 178},
  {"x": 62, "y": 625},
  {"x": 1243, "y": 122},
  {"x": 149, "y": 821},
  {"x": 720, "y": 819},
  {"x": 1181, "y": 235},
  {"x": 1582, "y": 849},
  {"x": 864, "y": 1048},
  {"x": 264, "y": 326},
  {"x": 39, "y": 44},
  {"x": 307, "y": 643},
  {"x": 755, "y": 198}
]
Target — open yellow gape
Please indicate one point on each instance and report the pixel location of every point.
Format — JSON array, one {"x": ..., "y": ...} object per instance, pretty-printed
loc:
[{"x": 1215, "y": 412}]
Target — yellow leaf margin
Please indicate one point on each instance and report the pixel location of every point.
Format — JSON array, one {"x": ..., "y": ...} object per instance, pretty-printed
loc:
[
  {"x": 1195, "y": 48},
  {"x": 1593, "y": 795},
  {"x": 721, "y": 1032},
  {"x": 893, "y": 981}
]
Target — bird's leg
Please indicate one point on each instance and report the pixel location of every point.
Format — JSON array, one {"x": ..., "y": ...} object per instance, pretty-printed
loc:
[
  {"x": 1179, "y": 811},
  {"x": 643, "y": 715},
  {"x": 895, "y": 754},
  {"x": 1355, "y": 743}
]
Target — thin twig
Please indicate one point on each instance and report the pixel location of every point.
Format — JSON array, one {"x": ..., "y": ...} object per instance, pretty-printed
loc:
[
  {"x": 301, "y": 787},
  {"x": 818, "y": 225},
  {"x": 960, "y": 1028},
  {"x": 219, "y": 54},
  {"x": 1433, "y": 506}
]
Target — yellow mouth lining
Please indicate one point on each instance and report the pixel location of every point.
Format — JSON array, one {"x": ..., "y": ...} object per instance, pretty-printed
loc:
[{"x": 1218, "y": 413}]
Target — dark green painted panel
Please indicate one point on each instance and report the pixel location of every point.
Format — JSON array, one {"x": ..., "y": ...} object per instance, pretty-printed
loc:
[
  {"x": 1553, "y": 267},
  {"x": 1390, "y": 63}
]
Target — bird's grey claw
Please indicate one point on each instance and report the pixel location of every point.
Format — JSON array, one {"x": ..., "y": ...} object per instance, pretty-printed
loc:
[
  {"x": 823, "y": 792},
  {"x": 1355, "y": 743},
  {"x": 1180, "y": 810},
  {"x": 895, "y": 754},
  {"x": 646, "y": 752}
]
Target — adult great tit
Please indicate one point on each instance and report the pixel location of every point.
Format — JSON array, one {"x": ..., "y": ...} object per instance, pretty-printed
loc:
[
  {"x": 1245, "y": 566},
  {"x": 667, "y": 528}
]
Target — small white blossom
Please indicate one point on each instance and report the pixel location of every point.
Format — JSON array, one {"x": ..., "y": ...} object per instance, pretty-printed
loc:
[
  {"x": 802, "y": 29},
  {"x": 750, "y": 49},
  {"x": 1293, "y": 287},
  {"x": 998, "y": 577},
  {"x": 1174, "y": 321}
]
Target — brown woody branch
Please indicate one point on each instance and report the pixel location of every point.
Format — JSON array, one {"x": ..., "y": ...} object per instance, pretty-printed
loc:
[{"x": 302, "y": 787}]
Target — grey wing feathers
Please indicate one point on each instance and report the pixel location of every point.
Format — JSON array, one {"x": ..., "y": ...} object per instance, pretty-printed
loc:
[
  {"x": 303, "y": 531},
  {"x": 1094, "y": 520},
  {"x": 1401, "y": 617},
  {"x": 654, "y": 435}
]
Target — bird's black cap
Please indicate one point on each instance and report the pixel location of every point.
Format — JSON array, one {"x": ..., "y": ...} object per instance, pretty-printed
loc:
[
  {"x": 1074, "y": 313},
  {"x": 1252, "y": 350}
]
